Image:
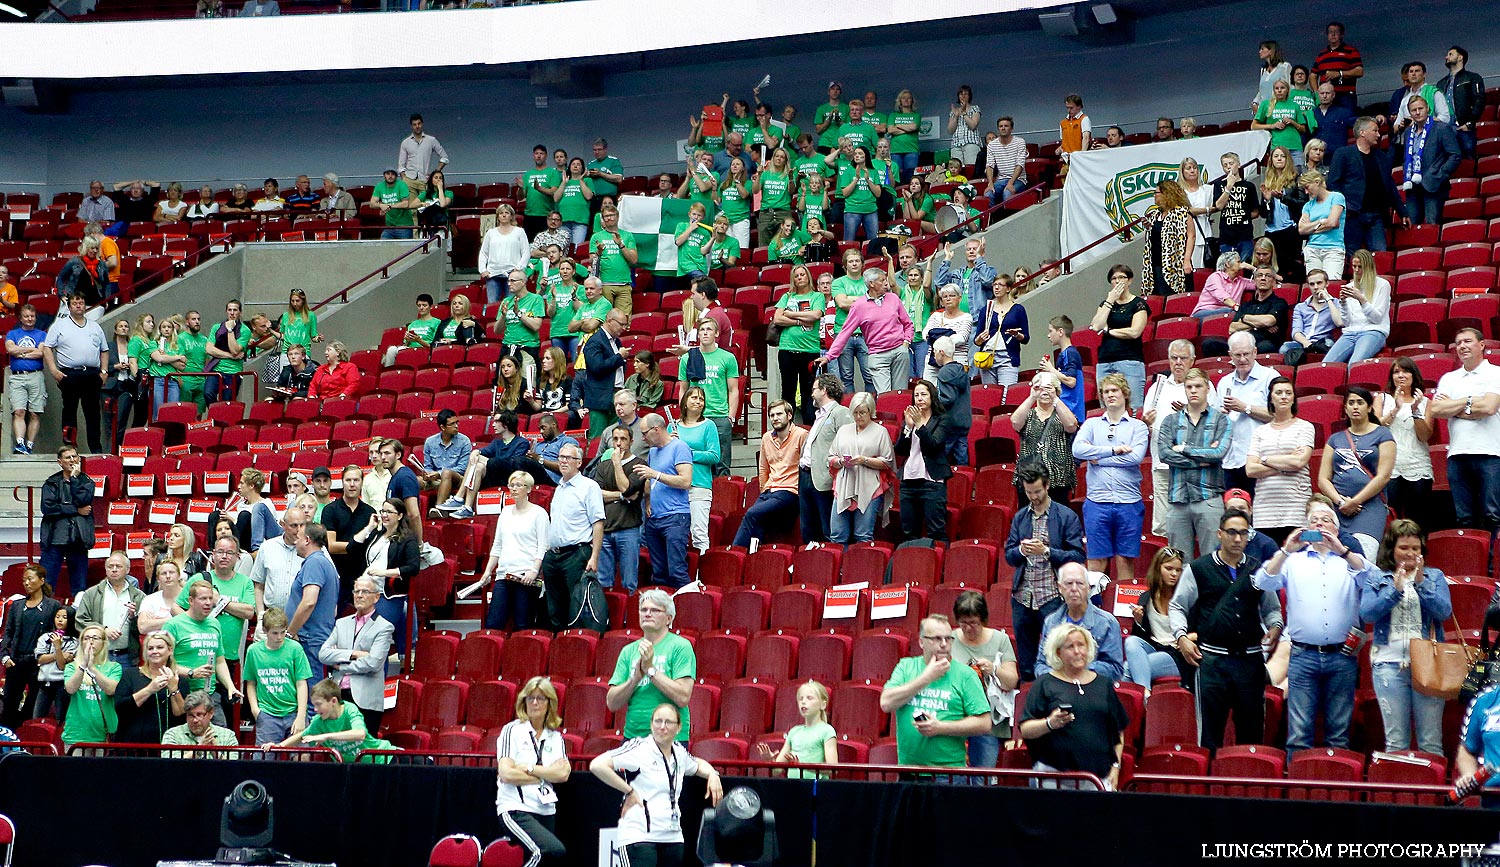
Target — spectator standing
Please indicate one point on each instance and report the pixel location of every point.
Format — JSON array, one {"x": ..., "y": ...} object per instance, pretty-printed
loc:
[
  {"x": 226, "y": 351},
  {"x": 1469, "y": 398},
  {"x": 1112, "y": 447},
  {"x": 1166, "y": 395},
  {"x": 667, "y": 529},
  {"x": 1277, "y": 456},
  {"x": 777, "y": 505},
  {"x": 1464, "y": 92},
  {"x": 1238, "y": 204},
  {"x": 703, "y": 439},
  {"x": 1402, "y": 408},
  {"x": 76, "y": 354},
  {"x": 1192, "y": 443},
  {"x": 276, "y": 687},
  {"x": 1273, "y": 68},
  {"x": 1171, "y": 238},
  {"x": 989, "y": 652},
  {"x": 1322, "y": 579},
  {"x": 659, "y": 667},
  {"x": 575, "y": 532},
  {"x": 624, "y": 503},
  {"x": 113, "y": 604},
  {"x": 234, "y": 598},
  {"x": 814, "y": 473},
  {"x": 1003, "y": 330},
  {"x": 356, "y": 653},
  {"x": 313, "y": 601},
  {"x": 1322, "y": 224},
  {"x": 276, "y": 565},
  {"x": 1067, "y": 732},
  {"x": 953, "y": 394},
  {"x": 1361, "y": 173},
  {"x": 391, "y": 552},
  {"x": 27, "y": 618},
  {"x": 1332, "y": 120},
  {"x": 1357, "y": 464},
  {"x": 148, "y": 698},
  {"x": 90, "y": 679},
  {"x": 937, "y": 705},
  {"x": 503, "y": 250},
  {"x": 1044, "y": 535},
  {"x": 55, "y": 648},
  {"x": 393, "y": 198},
  {"x": 975, "y": 278},
  {"x": 613, "y": 257},
  {"x": 797, "y": 314},
  {"x": 1432, "y": 155},
  {"x": 516, "y": 557},
  {"x": 887, "y": 332},
  {"x": 540, "y": 182},
  {"x": 963, "y": 126},
  {"x": 1046, "y": 427},
  {"x": 67, "y": 531},
  {"x": 924, "y": 472},
  {"x": 533, "y": 758},
  {"x": 1232, "y": 622},
  {"x": 1121, "y": 321},
  {"x": 1285, "y": 119},
  {"x": 1342, "y": 66},
  {"x": 720, "y": 379},
  {"x": 604, "y": 357},
  {"x": 414, "y": 159},
  {"x": 25, "y": 388},
  {"x": 1244, "y": 394},
  {"x": 862, "y": 454},
  {"x": 198, "y": 646}
]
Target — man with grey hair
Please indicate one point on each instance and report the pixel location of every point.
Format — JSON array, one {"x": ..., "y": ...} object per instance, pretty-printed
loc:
[
  {"x": 1368, "y": 201},
  {"x": 1166, "y": 395},
  {"x": 734, "y": 146},
  {"x": 888, "y": 333},
  {"x": 604, "y": 360},
  {"x": 336, "y": 200},
  {"x": 1244, "y": 393},
  {"x": 627, "y": 413},
  {"x": 936, "y": 704},
  {"x": 96, "y": 207},
  {"x": 667, "y": 530},
  {"x": 953, "y": 393},
  {"x": 574, "y": 537},
  {"x": 656, "y": 669},
  {"x": 1079, "y": 609},
  {"x": 199, "y": 730}
]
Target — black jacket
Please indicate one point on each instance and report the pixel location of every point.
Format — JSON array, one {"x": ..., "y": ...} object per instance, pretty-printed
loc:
[
  {"x": 11, "y": 643},
  {"x": 1235, "y": 623},
  {"x": 599, "y": 379},
  {"x": 1346, "y": 175},
  {"x": 62, "y": 525},
  {"x": 405, "y": 555},
  {"x": 932, "y": 440},
  {"x": 1468, "y": 96},
  {"x": 953, "y": 393},
  {"x": 1440, "y": 156}
]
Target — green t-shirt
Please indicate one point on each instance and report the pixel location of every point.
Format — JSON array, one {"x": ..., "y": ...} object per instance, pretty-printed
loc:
[
  {"x": 612, "y": 265},
  {"x": 423, "y": 328},
  {"x": 787, "y": 249},
  {"x": 888, "y": 177},
  {"x": 276, "y": 674},
  {"x": 538, "y": 203},
  {"x": 295, "y": 330},
  {"x": 234, "y": 365},
  {"x": 159, "y": 368},
  {"x": 758, "y": 137},
  {"x": 195, "y": 347},
  {"x": 391, "y": 194},
  {"x": 238, "y": 589},
  {"x": 952, "y": 697},
  {"x": 845, "y": 286},
  {"x": 596, "y": 309},
  {"x": 806, "y": 167},
  {"x": 735, "y": 204},
  {"x": 830, "y": 137},
  {"x": 720, "y": 253},
  {"x": 789, "y": 136},
  {"x": 573, "y": 207},
  {"x": 516, "y": 332},
  {"x": 690, "y": 252},
  {"x": 928, "y": 207},
  {"x": 140, "y": 349},
  {"x": 703, "y": 439},
  {"x": 562, "y": 301},
  {"x": 1288, "y": 138},
  {"x": 198, "y": 644},
  {"x": 741, "y": 125},
  {"x": 775, "y": 190},
  {"x": 349, "y": 719},
  {"x": 801, "y": 338},
  {"x": 608, "y": 165},
  {"x": 697, "y": 195},
  {"x": 674, "y": 660},
  {"x": 719, "y": 367},
  {"x": 814, "y": 207},
  {"x": 711, "y": 143},
  {"x": 860, "y": 134},
  {"x": 862, "y": 199},
  {"x": 1305, "y": 99},
  {"x": 91, "y": 714},
  {"x": 809, "y": 744},
  {"x": 905, "y": 142},
  {"x": 914, "y": 299}
]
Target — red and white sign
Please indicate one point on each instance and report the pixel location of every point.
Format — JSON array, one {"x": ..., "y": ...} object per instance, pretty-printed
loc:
[
  {"x": 1127, "y": 595},
  {"x": 122, "y": 514},
  {"x": 277, "y": 503},
  {"x": 177, "y": 451},
  {"x": 135, "y": 544},
  {"x": 140, "y": 485},
  {"x": 260, "y": 448},
  {"x": 103, "y": 541},
  {"x": 162, "y": 512},
  {"x": 199, "y": 510},
  {"x": 201, "y": 425},
  {"x": 216, "y": 483},
  {"x": 179, "y": 484},
  {"x": 491, "y": 502},
  {"x": 133, "y": 457},
  {"x": 842, "y": 602},
  {"x": 99, "y": 485},
  {"x": 314, "y": 444},
  {"x": 889, "y": 603}
]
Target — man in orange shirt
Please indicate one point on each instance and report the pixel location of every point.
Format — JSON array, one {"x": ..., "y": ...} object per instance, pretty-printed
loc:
[
  {"x": 109, "y": 253},
  {"x": 780, "y": 450},
  {"x": 8, "y": 296},
  {"x": 1077, "y": 135}
]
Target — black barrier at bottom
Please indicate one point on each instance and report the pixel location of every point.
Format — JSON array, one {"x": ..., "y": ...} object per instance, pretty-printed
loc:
[{"x": 135, "y": 812}]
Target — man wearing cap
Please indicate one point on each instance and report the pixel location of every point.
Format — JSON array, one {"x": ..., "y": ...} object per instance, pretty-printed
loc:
[
  {"x": 322, "y": 486},
  {"x": 1260, "y": 546},
  {"x": 392, "y": 198},
  {"x": 830, "y": 116}
]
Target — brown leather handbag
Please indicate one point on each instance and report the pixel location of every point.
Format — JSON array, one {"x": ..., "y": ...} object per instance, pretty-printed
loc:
[{"x": 1439, "y": 670}]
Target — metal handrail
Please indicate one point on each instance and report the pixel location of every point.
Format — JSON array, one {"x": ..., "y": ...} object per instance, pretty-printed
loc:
[
  {"x": 242, "y": 753},
  {"x": 844, "y": 770},
  {"x": 384, "y": 271},
  {"x": 119, "y": 299},
  {"x": 1361, "y": 789}
]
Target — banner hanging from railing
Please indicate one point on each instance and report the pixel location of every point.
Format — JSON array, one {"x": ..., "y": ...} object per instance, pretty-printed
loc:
[{"x": 1109, "y": 188}]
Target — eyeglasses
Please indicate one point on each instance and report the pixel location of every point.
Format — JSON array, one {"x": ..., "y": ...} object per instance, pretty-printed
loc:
[
  {"x": 388, "y": 512},
  {"x": 562, "y": 458},
  {"x": 1236, "y": 534},
  {"x": 536, "y": 696}
]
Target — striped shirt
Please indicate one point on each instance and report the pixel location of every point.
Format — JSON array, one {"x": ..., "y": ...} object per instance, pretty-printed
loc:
[
  {"x": 1005, "y": 158},
  {"x": 1197, "y": 470},
  {"x": 1333, "y": 61}
]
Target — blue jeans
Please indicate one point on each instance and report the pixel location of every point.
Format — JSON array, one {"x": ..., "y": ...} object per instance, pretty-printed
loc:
[
  {"x": 1399, "y": 703},
  {"x": 1211, "y": 312},
  {"x": 77, "y": 557},
  {"x": 771, "y": 509},
  {"x": 511, "y": 600},
  {"x": 984, "y": 752},
  {"x": 163, "y": 390},
  {"x": 495, "y": 287},
  {"x": 1363, "y": 231},
  {"x": 1474, "y": 481},
  {"x": 919, "y": 350},
  {"x": 577, "y": 234},
  {"x": 621, "y": 549},
  {"x": 397, "y": 234},
  {"x": 1028, "y": 623},
  {"x": 870, "y": 222},
  {"x": 906, "y": 164},
  {"x": 1423, "y": 207},
  {"x": 1356, "y": 346},
  {"x": 667, "y": 538},
  {"x": 1316, "y": 681},
  {"x": 814, "y": 507},
  {"x": 1467, "y": 139},
  {"x": 855, "y": 352},
  {"x": 844, "y": 523},
  {"x": 394, "y": 610},
  {"x": 569, "y": 345},
  {"x": 958, "y": 450},
  {"x": 1134, "y": 373},
  {"x": 1144, "y": 663}
]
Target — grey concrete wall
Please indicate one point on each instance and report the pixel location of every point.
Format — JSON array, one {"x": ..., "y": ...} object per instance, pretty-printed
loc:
[
  {"x": 1075, "y": 295},
  {"x": 1026, "y": 239},
  {"x": 270, "y": 270}
]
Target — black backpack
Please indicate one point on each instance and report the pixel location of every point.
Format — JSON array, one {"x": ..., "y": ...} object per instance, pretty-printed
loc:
[{"x": 587, "y": 608}]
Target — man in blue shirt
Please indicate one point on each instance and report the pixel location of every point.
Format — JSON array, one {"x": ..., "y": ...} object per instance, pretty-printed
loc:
[
  {"x": 1112, "y": 446},
  {"x": 445, "y": 456},
  {"x": 404, "y": 484},
  {"x": 575, "y": 534},
  {"x": 545, "y": 452},
  {"x": 1077, "y": 610},
  {"x": 314, "y": 599},
  {"x": 667, "y": 528},
  {"x": 1313, "y": 321},
  {"x": 1334, "y": 121},
  {"x": 1322, "y": 580},
  {"x": 25, "y": 386}
]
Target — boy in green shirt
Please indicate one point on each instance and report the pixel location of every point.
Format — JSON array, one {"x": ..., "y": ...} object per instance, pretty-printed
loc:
[
  {"x": 392, "y": 198},
  {"x": 692, "y": 238},
  {"x": 830, "y": 116},
  {"x": 420, "y": 332},
  {"x": 524, "y": 312},
  {"x": 276, "y": 674},
  {"x": 338, "y": 725},
  {"x": 721, "y": 388}
]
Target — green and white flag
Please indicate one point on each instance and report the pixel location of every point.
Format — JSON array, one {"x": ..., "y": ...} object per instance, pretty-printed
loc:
[{"x": 654, "y": 223}]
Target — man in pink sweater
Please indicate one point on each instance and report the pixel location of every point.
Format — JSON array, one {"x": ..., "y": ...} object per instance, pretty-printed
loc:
[{"x": 887, "y": 330}]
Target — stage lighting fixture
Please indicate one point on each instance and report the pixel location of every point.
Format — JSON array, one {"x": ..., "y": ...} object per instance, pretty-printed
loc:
[{"x": 739, "y": 831}]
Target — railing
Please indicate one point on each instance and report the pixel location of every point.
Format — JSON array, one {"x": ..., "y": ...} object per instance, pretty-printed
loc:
[
  {"x": 384, "y": 271},
  {"x": 888, "y": 773},
  {"x": 1285, "y": 789},
  {"x": 174, "y": 751},
  {"x": 436, "y": 758},
  {"x": 128, "y": 296},
  {"x": 15, "y": 494},
  {"x": 150, "y": 396},
  {"x": 35, "y": 748}
]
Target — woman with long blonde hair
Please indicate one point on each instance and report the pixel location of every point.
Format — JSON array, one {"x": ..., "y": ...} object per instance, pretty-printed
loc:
[
  {"x": 1171, "y": 235},
  {"x": 1284, "y": 200}
]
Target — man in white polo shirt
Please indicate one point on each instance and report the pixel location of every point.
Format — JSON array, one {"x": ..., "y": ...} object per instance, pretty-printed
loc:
[
  {"x": 1167, "y": 395},
  {"x": 1469, "y": 398},
  {"x": 1243, "y": 393}
]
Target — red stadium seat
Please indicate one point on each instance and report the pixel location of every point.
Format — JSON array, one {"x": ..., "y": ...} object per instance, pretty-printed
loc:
[
  {"x": 769, "y": 567},
  {"x": 525, "y": 655},
  {"x": 1171, "y": 717},
  {"x": 855, "y": 710},
  {"x": 571, "y": 655},
  {"x": 865, "y": 561},
  {"x": 458, "y": 739},
  {"x": 722, "y": 567},
  {"x": 585, "y": 709},
  {"x": 771, "y": 655},
  {"x": 797, "y": 608},
  {"x": 502, "y": 853},
  {"x": 408, "y": 706},
  {"x": 972, "y": 562},
  {"x": 608, "y": 650},
  {"x": 875, "y": 654},
  {"x": 816, "y": 566},
  {"x": 455, "y": 850},
  {"x": 824, "y": 657},
  {"x": 745, "y": 610},
  {"x": 436, "y": 654},
  {"x": 703, "y": 708},
  {"x": 443, "y": 704},
  {"x": 479, "y": 657},
  {"x": 1183, "y": 760},
  {"x": 917, "y": 564},
  {"x": 492, "y": 703},
  {"x": 745, "y": 707},
  {"x": 1459, "y": 552}
]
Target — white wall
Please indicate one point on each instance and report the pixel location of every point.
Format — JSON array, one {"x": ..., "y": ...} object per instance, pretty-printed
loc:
[{"x": 1185, "y": 63}]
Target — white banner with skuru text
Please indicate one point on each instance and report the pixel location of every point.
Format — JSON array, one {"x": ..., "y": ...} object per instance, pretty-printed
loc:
[{"x": 1106, "y": 189}]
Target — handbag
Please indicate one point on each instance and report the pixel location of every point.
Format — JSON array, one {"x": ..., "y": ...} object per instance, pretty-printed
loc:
[
  {"x": 1484, "y": 672},
  {"x": 984, "y": 359},
  {"x": 1441, "y": 670}
]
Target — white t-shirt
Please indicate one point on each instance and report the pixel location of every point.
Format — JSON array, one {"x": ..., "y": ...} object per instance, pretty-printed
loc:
[
  {"x": 1472, "y": 434},
  {"x": 499, "y": 254},
  {"x": 656, "y": 819},
  {"x": 520, "y": 539},
  {"x": 1281, "y": 500},
  {"x": 1254, "y": 390},
  {"x": 519, "y": 742},
  {"x": 155, "y": 606}
]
